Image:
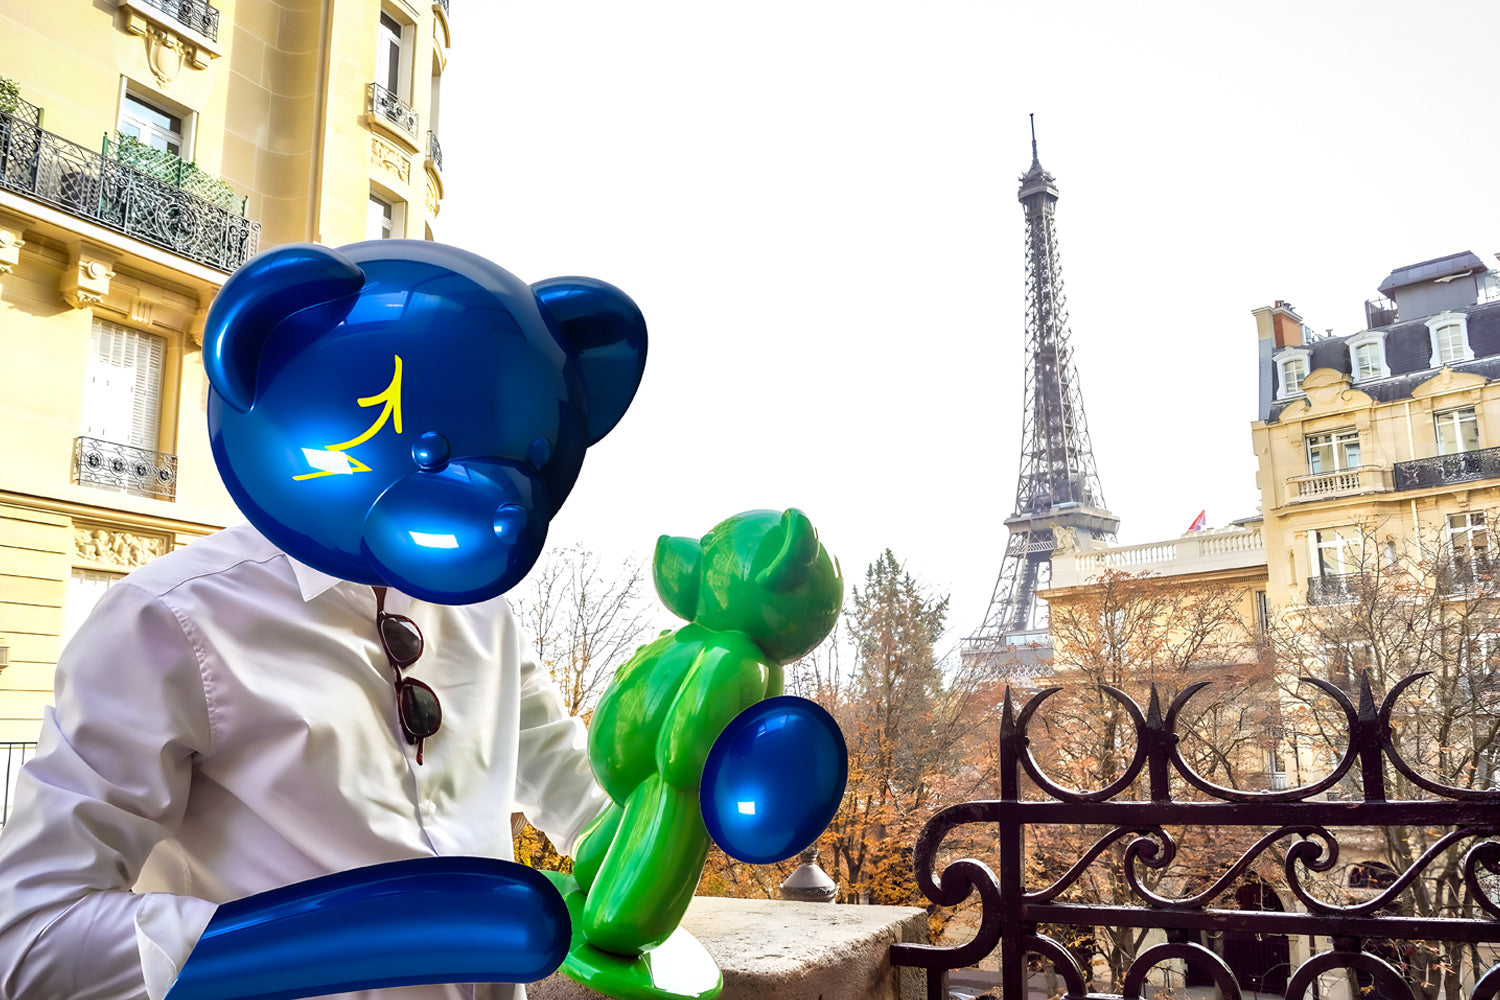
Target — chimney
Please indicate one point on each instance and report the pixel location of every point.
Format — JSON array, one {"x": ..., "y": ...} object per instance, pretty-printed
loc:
[{"x": 1280, "y": 324}]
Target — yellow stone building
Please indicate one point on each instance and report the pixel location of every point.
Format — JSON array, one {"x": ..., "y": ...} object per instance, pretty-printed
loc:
[
  {"x": 147, "y": 149},
  {"x": 1372, "y": 448}
]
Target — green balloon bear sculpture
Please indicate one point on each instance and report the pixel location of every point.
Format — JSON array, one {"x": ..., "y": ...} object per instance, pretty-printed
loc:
[{"x": 758, "y": 591}]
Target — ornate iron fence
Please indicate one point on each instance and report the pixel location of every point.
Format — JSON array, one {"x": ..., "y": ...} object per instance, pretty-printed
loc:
[
  {"x": 83, "y": 183},
  {"x": 16, "y": 754},
  {"x": 1442, "y": 470},
  {"x": 199, "y": 15},
  {"x": 1292, "y": 829},
  {"x": 1334, "y": 588},
  {"x": 434, "y": 150},
  {"x": 394, "y": 110},
  {"x": 121, "y": 466}
]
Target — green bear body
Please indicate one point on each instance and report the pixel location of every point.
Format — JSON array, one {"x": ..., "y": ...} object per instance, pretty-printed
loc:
[{"x": 759, "y": 590}]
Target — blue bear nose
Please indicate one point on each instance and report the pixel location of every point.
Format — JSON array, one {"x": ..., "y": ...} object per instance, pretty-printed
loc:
[{"x": 430, "y": 452}]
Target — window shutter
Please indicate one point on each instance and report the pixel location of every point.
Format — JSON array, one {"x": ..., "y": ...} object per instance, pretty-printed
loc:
[{"x": 122, "y": 397}]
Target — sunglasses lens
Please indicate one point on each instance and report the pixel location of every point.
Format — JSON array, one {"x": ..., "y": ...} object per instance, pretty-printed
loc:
[
  {"x": 403, "y": 643},
  {"x": 421, "y": 715}
]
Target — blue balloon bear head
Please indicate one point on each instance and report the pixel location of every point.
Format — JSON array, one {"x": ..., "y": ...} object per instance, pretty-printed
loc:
[{"x": 408, "y": 414}]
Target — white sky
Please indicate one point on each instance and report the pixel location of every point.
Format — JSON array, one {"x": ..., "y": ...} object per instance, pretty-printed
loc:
[{"x": 813, "y": 202}]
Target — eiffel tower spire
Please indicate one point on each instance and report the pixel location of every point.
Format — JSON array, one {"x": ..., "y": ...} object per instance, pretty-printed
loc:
[{"x": 1058, "y": 497}]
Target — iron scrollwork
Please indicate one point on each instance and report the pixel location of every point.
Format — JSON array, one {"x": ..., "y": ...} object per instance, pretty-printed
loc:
[
  {"x": 49, "y": 168},
  {"x": 1300, "y": 837},
  {"x": 120, "y": 466}
]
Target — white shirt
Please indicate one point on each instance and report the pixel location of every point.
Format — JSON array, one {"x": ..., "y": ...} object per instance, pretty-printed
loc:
[{"x": 226, "y": 724}]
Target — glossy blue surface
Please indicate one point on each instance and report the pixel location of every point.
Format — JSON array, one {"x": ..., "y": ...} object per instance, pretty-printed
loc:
[
  {"x": 428, "y": 920},
  {"x": 774, "y": 779},
  {"x": 405, "y": 413}
]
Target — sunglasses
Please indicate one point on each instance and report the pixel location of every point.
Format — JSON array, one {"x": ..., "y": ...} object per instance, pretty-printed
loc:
[{"x": 417, "y": 704}]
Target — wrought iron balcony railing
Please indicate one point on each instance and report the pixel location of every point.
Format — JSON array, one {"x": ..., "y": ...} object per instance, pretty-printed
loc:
[
  {"x": 15, "y": 755},
  {"x": 1340, "y": 482},
  {"x": 1142, "y": 834},
  {"x": 391, "y": 108},
  {"x": 1470, "y": 573},
  {"x": 1334, "y": 588},
  {"x": 121, "y": 466},
  {"x": 201, "y": 16},
  {"x": 434, "y": 150},
  {"x": 11, "y": 103},
  {"x": 83, "y": 183},
  {"x": 1443, "y": 470},
  {"x": 444, "y": 5}
]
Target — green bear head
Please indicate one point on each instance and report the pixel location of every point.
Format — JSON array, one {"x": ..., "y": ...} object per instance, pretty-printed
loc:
[{"x": 763, "y": 573}]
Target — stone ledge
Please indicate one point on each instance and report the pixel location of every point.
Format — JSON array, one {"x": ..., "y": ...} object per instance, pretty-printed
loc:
[{"x": 775, "y": 950}]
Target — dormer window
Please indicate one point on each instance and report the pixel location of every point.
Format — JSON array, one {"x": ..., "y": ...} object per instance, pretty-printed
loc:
[
  {"x": 1367, "y": 357},
  {"x": 1450, "y": 338},
  {"x": 1292, "y": 367}
]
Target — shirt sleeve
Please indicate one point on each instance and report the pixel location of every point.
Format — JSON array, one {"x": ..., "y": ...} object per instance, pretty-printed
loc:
[
  {"x": 555, "y": 785},
  {"x": 108, "y": 783}
]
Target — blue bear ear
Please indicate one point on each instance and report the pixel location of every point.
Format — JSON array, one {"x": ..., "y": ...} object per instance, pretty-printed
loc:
[
  {"x": 258, "y": 296},
  {"x": 607, "y": 335}
]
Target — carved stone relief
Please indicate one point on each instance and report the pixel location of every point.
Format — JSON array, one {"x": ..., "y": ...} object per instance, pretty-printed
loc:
[
  {"x": 164, "y": 54},
  {"x": 389, "y": 158},
  {"x": 112, "y": 547}
]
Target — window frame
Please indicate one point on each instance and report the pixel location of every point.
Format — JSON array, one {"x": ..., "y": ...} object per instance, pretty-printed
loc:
[
  {"x": 1458, "y": 413},
  {"x": 399, "y": 43},
  {"x": 1437, "y": 326},
  {"x": 1288, "y": 387},
  {"x": 1338, "y": 444},
  {"x": 1470, "y": 560},
  {"x": 148, "y": 418},
  {"x": 144, "y": 130},
  {"x": 1376, "y": 342}
]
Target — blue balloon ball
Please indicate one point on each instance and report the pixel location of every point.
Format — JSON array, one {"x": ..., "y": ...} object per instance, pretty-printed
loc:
[{"x": 774, "y": 779}]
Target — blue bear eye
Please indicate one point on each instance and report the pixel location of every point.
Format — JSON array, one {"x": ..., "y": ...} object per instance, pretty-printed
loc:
[
  {"x": 539, "y": 453},
  {"x": 430, "y": 451}
]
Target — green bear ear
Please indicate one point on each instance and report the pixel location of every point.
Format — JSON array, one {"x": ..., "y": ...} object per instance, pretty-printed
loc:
[
  {"x": 675, "y": 569},
  {"x": 799, "y": 550}
]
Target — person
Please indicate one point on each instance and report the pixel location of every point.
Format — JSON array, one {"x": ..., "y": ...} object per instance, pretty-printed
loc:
[{"x": 229, "y": 720}]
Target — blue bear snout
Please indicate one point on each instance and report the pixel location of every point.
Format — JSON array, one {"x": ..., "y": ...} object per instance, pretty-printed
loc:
[{"x": 455, "y": 532}]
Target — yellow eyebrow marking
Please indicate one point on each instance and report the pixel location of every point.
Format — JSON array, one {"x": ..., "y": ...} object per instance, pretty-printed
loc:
[{"x": 391, "y": 397}]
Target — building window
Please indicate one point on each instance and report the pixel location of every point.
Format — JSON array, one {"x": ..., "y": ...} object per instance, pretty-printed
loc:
[
  {"x": 123, "y": 386},
  {"x": 1292, "y": 367},
  {"x": 154, "y": 126},
  {"x": 1336, "y": 551},
  {"x": 84, "y": 590},
  {"x": 392, "y": 61},
  {"x": 1450, "y": 338},
  {"x": 1333, "y": 452},
  {"x": 1469, "y": 544},
  {"x": 385, "y": 218},
  {"x": 1367, "y": 357},
  {"x": 1457, "y": 431}
]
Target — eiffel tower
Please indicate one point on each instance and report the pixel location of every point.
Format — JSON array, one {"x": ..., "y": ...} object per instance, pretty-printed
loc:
[{"x": 1058, "y": 498}]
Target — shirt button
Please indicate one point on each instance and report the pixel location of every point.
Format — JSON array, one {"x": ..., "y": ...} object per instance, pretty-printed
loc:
[{"x": 428, "y": 807}]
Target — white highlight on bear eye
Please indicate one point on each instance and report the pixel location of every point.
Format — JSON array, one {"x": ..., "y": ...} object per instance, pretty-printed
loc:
[
  {"x": 328, "y": 461},
  {"x": 748, "y": 808},
  {"x": 427, "y": 541}
]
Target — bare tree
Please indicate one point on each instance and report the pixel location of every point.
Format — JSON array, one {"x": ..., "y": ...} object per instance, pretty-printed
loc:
[
  {"x": 584, "y": 622},
  {"x": 1398, "y": 608}
]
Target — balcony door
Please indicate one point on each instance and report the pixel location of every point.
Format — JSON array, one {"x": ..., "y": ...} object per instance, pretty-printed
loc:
[{"x": 122, "y": 386}]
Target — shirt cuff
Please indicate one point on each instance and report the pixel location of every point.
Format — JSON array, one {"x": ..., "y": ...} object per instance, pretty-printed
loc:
[{"x": 167, "y": 928}]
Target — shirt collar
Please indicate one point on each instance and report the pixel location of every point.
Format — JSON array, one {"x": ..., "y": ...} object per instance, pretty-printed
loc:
[{"x": 315, "y": 583}]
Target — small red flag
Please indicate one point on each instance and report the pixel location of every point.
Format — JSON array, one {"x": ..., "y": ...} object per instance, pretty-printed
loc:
[{"x": 1200, "y": 522}]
